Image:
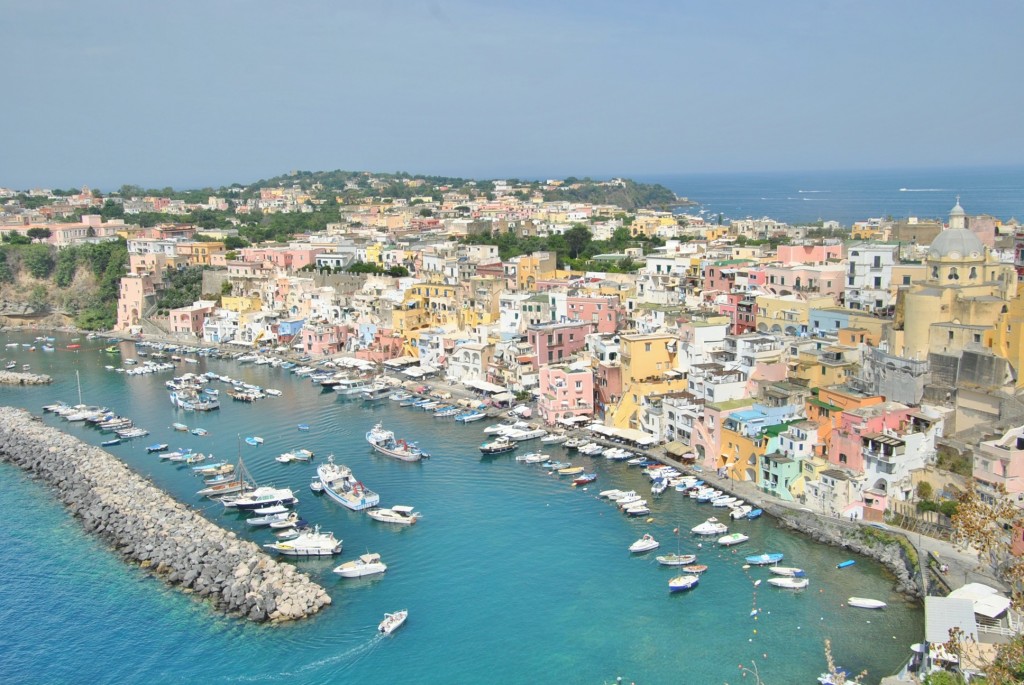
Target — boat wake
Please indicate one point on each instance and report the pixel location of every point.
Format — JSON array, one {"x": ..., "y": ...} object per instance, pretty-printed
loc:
[
  {"x": 339, "y": 662},
  {"x": 924, "y": 190},
  {"x": 814, "y": 191}
]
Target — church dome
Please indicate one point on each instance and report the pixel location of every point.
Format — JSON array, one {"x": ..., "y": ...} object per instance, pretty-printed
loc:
[
  {"x": 957, "y": 209},
  {"x": 956, "y": 243}
]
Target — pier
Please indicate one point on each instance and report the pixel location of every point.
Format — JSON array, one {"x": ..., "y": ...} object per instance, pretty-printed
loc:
[{"x": 148, "y": 527}]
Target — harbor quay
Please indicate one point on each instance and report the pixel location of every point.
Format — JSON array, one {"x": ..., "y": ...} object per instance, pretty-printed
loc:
[{"x": 149, "y": 527}]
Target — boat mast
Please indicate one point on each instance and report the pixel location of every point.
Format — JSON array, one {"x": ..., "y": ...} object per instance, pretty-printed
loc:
[{"x": 78, "y": 378}]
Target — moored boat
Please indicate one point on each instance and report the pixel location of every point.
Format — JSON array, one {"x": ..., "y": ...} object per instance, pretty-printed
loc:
[
  {"x": 764, "y": 559},
  {"x": 384, "y": 441},
  {"x": 789, "y": 583},
  {"x": 400, "y": 514},
  {"x": 712, "y": 526},
  {"x": 308, "y": 544},
  {"x": 683, "y": 582},
  {"x": 786, "y": 571},
  {"x": 499, "y": 445},
  {"x": 159, "y": 447},
  {"x": 644, "y": 544},
  {"x": 732, "y": 539},
  {"x": 261, "y": 497},
  {"x": 676, "y": 559},
  {"x": 364, "y": 565},
  {"x": 865, "y": 603},
  {"x": 341, "y": 486}
]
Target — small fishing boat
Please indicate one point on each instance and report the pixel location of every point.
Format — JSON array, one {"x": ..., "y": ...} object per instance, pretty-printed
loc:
[
  {"x": 268, "y": 519},
  {"x": 297, "y": 455},
  {"x": 200, "y": 432},
  {"x": 732, "y": 539},
  {"x": 786, "y": 571},
  {"x": 844, "y": 564},
  {"x": 159, "y": 447},
  {"x": 555, "y": 465},
  {"x": 584, "y": 479},
  {"x": 764, "y": 559},
  {"x": 365, "y": 565},
  {"x": 682, "y": 583},
  {"x": 644, "y": 544},
  {"x": 754, "y": 513},
  {"x": 788, "y": 583},
  {"x": 695, "y": 568},
  {"x": 255, "y": 441},
  {"x": 676, "y": 559},
  {"x": 392, "y": 622},
  {"x": 400, "y": 514},
  {"x": 303, "y": 426},
  {"x": 866, "y": 603},
  {"x": 179, "y": 427},
  {"x": 570, "y": 471},
  {"x": 111, "y": 442}
]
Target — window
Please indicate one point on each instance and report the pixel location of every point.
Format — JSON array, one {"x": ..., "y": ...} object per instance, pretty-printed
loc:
[
  {"x": 647, "y": 347},
  {"x": 877, "y": 262},
  {"x": 842, "y": 458},
  {"x": 849, "y": 281},
  {"x": 977, "y": 337},
  {"x": 878, "y": 281},
  {"x": 906, "y": 280},
  {"x": 950, "y": 336}
]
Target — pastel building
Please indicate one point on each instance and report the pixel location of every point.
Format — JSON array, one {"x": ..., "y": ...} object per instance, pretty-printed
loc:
[
  {"x": 999, "y": 466},
  {"x": 566, "y": 391},
  {"x": 189, "y": 320},
  {"x": 555, "y": 342}
]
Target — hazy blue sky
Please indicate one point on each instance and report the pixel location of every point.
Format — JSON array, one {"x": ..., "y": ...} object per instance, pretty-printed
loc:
[{"x": 189, "y": 93}]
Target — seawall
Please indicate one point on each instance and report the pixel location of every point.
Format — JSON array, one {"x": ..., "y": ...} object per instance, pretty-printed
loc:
[
  {"x": 18, "y": 378},
  {"x": 147, "y": 526}
]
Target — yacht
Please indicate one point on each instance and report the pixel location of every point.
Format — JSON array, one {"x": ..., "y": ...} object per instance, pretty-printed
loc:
[
  {"x": 365, "y": 565},
  {"x": 308, "y": 544},
  {"x": 400, "y": 514},
  {"x": 261, "y": 497},
  {"x": 372, "y": 393},
  {"x": 710, "y": 527},
  {"x": 341, "y": 486},
  {"x": 350, "y": 387}
]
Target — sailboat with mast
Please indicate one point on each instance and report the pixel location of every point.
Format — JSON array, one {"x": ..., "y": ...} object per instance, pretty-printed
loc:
[
  {"x": 242, "y": 481},
  {"x": 676, "y": 559}
]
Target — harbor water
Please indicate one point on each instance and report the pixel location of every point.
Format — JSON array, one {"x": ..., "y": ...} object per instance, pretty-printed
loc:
[{"x": 511, "y": 576}]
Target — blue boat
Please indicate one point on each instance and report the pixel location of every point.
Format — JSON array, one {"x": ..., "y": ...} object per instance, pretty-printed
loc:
[
  {"x": 754, "y": 513},
  {"x": 158, "y": 447},
  {"x": 844, "y": 564},
  {"x": 303, "y": 426},
  {"x": 109, "y": 443},
  {"x": 764, "y": 559},
  {"x": 254, "y": 441}
]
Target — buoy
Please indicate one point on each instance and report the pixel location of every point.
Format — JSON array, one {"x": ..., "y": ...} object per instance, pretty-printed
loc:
[
  {"x": 746, "y": 566},
  {"x": 755, "y": 631},
  {"x": 650, "y": 520}
]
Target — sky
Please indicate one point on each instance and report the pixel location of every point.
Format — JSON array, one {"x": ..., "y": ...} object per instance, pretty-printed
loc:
[{"x": 195, "y": 93}]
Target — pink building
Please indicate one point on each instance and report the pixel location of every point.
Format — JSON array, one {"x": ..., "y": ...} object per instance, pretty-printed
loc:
[
  {"x": 791, "y": 255},
  {"x": 190, "y": 319},
  {"x": 554, "y": 342},
  {"x": 844, "y": 441},
  {"x": 604, "y": 312},
  {"x": 565, "y": 393},
  {"x": 721, "y": 276},
  {"x": 131, "y": 302},
  {"x": 282, "y": 257},
  {"x": 1000, "y": 465},
  {"x": 706, "y": 433},
  {"x": 321, "y": 340},
  {"x": 829, "y": 279}
]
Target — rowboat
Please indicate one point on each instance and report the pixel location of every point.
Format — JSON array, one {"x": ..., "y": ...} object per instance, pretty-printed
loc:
[{"x": 866, "y": 603}]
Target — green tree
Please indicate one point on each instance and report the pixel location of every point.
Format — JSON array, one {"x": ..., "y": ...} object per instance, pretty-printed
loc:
[
  {"x": 398, "y": 271},
  {"x": 16, "y": 239},
  {"x": 234, "y": 242},
  {"x": 225, "y": 288},
  {"x": 67, "y": 264},
  {"x": 38, "y": 260},
  {"x": 577, "y": 238},
  {"x": 39, "y": 299},
  {"x": 924, "y": 490},
  {"x": 38, "y": 233}
]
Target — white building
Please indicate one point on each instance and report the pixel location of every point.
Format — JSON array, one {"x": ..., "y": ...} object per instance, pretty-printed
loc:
[{"x": 869, "y": 277}]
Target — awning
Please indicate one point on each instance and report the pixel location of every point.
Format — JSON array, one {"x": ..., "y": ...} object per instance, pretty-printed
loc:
[
  {"x": 399, "y": 362},
  {"x": 415, "y": 372},
  {"x": 675, "y": 448},
  {"x": 503, "y": 397},
  {"x": 485, "y": 386},
  {"x": 573, "y": 420},
  {"x": 628, "y": 434}
]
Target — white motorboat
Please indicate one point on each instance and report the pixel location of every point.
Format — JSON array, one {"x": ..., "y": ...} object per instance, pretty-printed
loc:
[
  {"x": 630, "y": 501},
  {"x": 612, "y": 494},
  {"x": 400, "y": 514},
  {"x": 574, "y": 443},
  {"x": 724, "y": 502},
  {"x": 392, "y": 622},
  {"x": 710, "y": 527},
  {"x": 365, "y": 565},
  {"x": 644, "y": 544},
  {"x": 261, "y": 497},
  {"x": 342, "y": 487},
  {"x": 740, "y": 512},
  {"x": 554, "y": 438},
  {"x": 349, "y": 387},
  {"x": 308, "y": 544},
  {"x": 273, "y": 509},
  {"x": 269, "y": 519},
  {"x": 517, "y": 435},
  {"x": 732, "y": 539},
  {"x": 788, "y": 583},
  {"x": 866, "y": 603}
]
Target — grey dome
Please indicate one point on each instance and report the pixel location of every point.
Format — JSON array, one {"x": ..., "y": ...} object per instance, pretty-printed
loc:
[
  {"x": 956, "y": 243},
  {"x": 957, "y": 209}
]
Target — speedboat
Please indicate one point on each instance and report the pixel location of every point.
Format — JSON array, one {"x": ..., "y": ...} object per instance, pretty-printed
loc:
[
  {"x": 676, "y": 559},
  {"x": 159, "y": 447},
  {"x": 199, "y": 432},
  {"x": 499, "y": 445},
  {"x": 392, "y": 622},
  {"x": 308, "y": 544},
  {"x": 179, "y": 427},
  {"x": 788, "y": 583},
  {"x": 644, "y": 544},
  {"x": 365, "y": 565},
  {"x": 637, "y": 509},
  {"x": 584, "y": 478},
  {"x": 684, "y": 582},
  {"x": 710, "y": 527},
  {"x": 268, "y": 519},
  {"x": 611, "y": 494},
  {"x": 866, "y": 603},
  {"x": 574, "y": 443},
  {"x": 740, "y": 512},
  {"x": 732, "y": 539},
  {"x": 764, "y": 559},
  {"x": 397, "y": 514},
  {"x": 554, "y": 438},
  {"x": 316, "y": 486}
]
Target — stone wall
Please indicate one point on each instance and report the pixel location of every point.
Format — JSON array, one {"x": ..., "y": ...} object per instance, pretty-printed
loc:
[
  {"x": 18, "y": 378},
  {"x": 147, "y": 526},
  {"x": 884, "y": 546}
]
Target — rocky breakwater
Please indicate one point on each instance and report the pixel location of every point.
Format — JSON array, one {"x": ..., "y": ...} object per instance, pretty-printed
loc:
[
  {"x": 888, "y": 547},
  {"x": 18, "y": 378},
  {"x": 149, "y": 527}
]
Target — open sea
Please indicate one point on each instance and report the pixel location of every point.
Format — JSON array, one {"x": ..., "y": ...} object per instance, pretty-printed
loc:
[
  {"x": 849, "y": 196},
  {"x": 512, "y": 575}
]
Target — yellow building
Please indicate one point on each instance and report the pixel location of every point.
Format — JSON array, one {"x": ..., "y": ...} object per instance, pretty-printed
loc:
[
  {"x": 480, "y": 301},
  {"x": 788, "y": 314},
  {"x": 648, "y": 368},
  {"x": 962, "y": 302},
  {"x": 374, "y": 253},
  {"x": 241, "y": 304},
  {"x": 431, "y": 304},
  {"x": 534, "y": 267},
  {"x": 819, "y": 368},
  {"x": 198, "y": 253},
  {"x": 712, "y": 233}
]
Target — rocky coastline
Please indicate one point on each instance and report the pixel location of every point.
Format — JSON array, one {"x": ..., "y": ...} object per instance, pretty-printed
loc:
[
  {"x": 148, "y": 527},
  {"x": 18, "y": 378}
]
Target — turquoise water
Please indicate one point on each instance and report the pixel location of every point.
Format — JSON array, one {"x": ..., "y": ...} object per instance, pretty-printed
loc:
[{"x": 512, "y": 575}]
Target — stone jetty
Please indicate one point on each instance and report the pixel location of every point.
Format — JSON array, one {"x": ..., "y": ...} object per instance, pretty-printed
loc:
[
  {"x": 18, "y": 378},
  {"x": 149, "y": 527}
]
